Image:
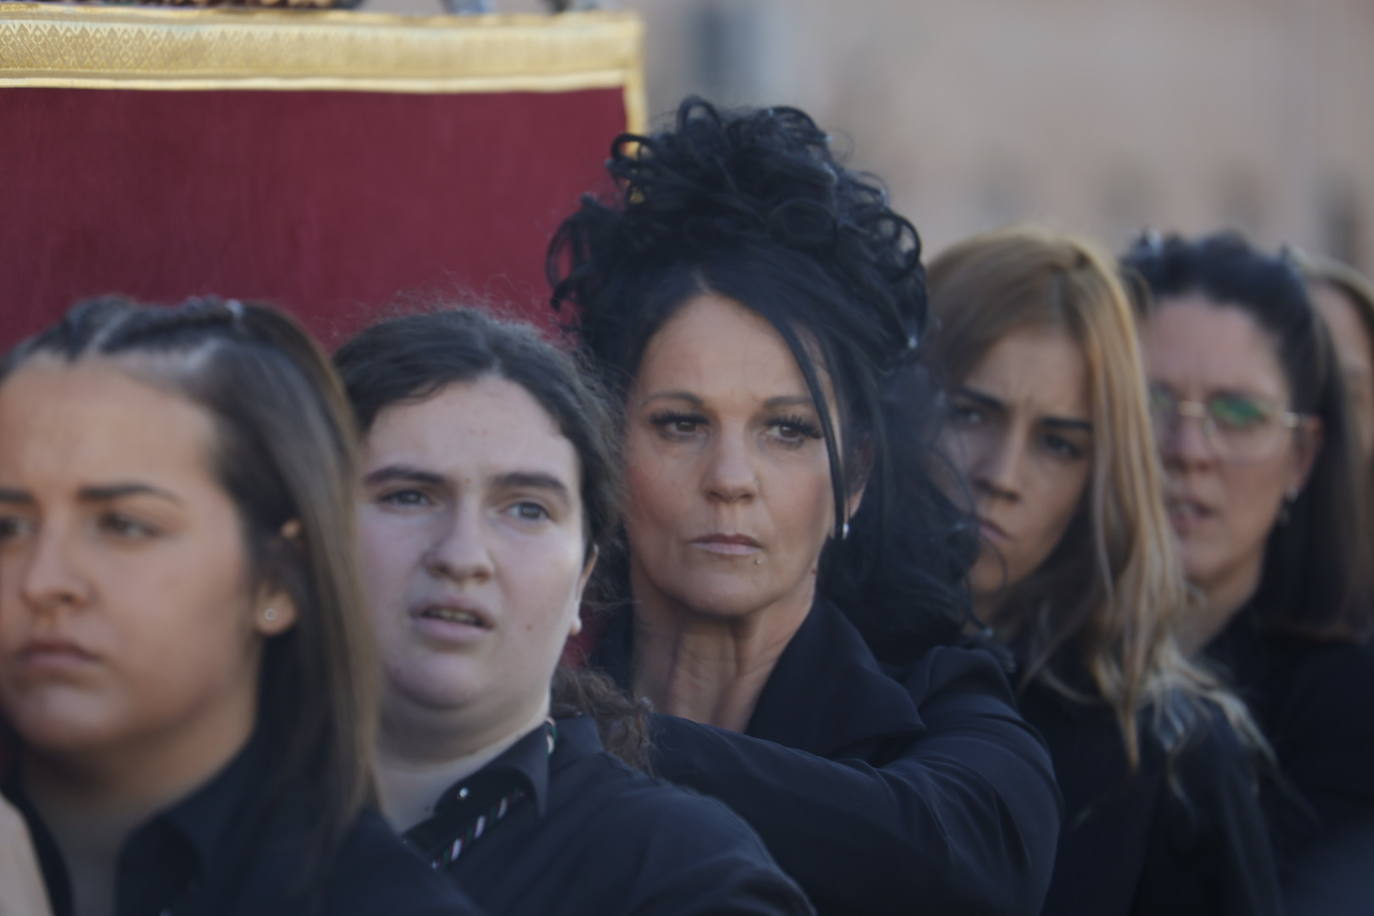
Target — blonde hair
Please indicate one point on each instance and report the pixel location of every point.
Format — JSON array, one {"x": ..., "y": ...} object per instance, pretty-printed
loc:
[{"x": 1109, "y": 594}]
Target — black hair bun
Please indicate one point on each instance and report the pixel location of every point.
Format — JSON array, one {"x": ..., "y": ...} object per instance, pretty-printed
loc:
[{"x": 728, "y": 180}]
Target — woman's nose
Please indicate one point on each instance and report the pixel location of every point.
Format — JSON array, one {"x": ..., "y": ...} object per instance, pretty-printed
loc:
[
  {"x": 459, "y": 549},
  {"x": 730, "y": 474},
  {"x": 998, "y": 466},
  {"x": 49, "y": 577}
]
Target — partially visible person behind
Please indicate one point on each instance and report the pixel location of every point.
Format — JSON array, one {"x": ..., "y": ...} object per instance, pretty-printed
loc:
[
  {"x": 183, "y": 661},
  {"x": 1345, "y": 300},
  {"x": 1048, "y": 427},
  {"x": 1263, "y": 491},
  {"x": 791, "y": 600},
  {"x": 490, "y": 481}
]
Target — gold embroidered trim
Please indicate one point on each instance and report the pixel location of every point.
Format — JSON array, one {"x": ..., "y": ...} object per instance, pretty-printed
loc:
[{"x": 120, "y": 47}]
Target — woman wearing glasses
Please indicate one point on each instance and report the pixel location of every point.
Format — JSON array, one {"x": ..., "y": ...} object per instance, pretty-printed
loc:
[
  {"x": 1261, "y": 490},
  {"x": 1048, "y": 427}
]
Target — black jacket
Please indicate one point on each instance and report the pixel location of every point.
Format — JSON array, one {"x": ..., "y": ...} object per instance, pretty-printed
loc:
[
  {"x": 593, "y": 836},
  {"x": 1173, "y": 836},
  {"x": 1315, "y": 702},
  {"x": 226, "y": 849},
  {"x": 912, "y": 790}
]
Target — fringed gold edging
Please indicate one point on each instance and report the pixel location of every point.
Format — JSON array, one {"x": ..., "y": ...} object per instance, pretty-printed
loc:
[{"x": 120, "y": 47}]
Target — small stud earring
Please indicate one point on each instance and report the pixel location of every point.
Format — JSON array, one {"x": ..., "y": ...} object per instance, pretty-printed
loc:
[
  {"x": 844, "y": 530},
  {"x": 269, "y": 615}
]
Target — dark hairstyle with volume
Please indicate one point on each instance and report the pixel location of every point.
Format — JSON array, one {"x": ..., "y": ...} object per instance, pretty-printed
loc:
[
  {"x": 409, "y": 358},
  {"x": 1314, "y": 582},
  {"x": 283, "y": 451},
  {"x": 752, "y": 206}
]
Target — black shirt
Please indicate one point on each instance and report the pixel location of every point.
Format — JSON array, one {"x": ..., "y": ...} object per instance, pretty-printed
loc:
[
  {"x": 225, "y": 850},
  {"x": 590, "y": 835},
  {"x": 1131, "y": 843},
  {"x": 1315, "y": 702},
  {"x": 881, "y": 791}
]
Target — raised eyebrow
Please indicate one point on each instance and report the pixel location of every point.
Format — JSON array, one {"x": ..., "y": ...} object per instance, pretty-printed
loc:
[
  {"x": 789, "y": 400},
  {"x": 983, "y": 399},
  {"x": 1067, "y": 423},
  {"x": 102, "y": 493},
  {"x": 403, "y": 473},
  {"x": 687, "y": 396},
  {"x": 1263, "y": 400},
  {"x": 537, "y": 480}
]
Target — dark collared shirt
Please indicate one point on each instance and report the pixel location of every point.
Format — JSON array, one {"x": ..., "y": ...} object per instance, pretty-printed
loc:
[
  {"x": 912, "y": 790},
  {"x": 225, "y": 850},
  {"x": 593, "y": 836}
]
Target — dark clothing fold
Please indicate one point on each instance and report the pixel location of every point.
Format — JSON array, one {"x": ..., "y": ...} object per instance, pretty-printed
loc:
[
  {"x": 1314, "y": 701},
  {"x": 228, "y": 850},
  {"x": 880, "y": 789},
  {"x": 1176, "y": 836},
  {"x": 596, "y": 837}
]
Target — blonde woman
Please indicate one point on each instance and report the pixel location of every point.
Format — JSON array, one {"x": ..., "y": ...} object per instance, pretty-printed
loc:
[{"x": 1049, "y": 430}]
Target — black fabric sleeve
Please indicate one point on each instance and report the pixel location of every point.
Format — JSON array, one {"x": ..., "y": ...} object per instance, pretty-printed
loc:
[
  {"x": 1208, "y": 850},
  {"x": 699, "y": 858},
  {"x": 964, "y": 819}
]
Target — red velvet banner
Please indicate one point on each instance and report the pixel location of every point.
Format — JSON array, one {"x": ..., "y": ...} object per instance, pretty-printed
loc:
[{"x": 327, "y": 203}]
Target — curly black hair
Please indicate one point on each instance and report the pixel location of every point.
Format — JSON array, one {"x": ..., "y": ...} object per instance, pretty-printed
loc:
[{"x": 753, "y": 205}]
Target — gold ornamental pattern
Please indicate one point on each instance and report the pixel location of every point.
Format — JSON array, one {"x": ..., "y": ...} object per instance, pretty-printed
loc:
[{"x": 160, "y": 48}]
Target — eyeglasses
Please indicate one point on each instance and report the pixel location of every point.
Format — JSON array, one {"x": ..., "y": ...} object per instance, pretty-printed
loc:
[{"x": 1238, "y": 427}]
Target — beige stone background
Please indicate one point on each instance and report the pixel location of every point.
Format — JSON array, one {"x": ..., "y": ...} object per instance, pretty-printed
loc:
[{"x": 1096, "y": 116}]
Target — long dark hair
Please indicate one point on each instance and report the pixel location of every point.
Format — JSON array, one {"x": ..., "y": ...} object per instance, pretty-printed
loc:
[
  {"x": 1314, "y": 581},
  {"x": 408, "y": 358},
  {"x": 753, "y": 206},
  {"x": 283, "y": 451}
]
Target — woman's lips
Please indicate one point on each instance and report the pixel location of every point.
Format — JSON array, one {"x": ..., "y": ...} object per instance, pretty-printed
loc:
[
  {"x": 991, "y": 530},
  {"x": 729, "y": 545},
  {"x": 1185, "y": 514},
  {"x": 451, "y": 622},
  {"x": 54, "y": 656}
]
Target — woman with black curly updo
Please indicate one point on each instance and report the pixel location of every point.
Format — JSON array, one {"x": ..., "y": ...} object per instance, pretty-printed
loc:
[{"x": 792, "y": 578}]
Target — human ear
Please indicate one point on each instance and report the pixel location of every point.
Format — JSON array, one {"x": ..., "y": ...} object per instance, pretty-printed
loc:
[
  {"x": 856, "y": 498},
  {"x": 274, "y": 614},
  {"x": 858, "y": 483},
  {"x": 576, "y": 626},
  {"x": 1307, "y": 445}
]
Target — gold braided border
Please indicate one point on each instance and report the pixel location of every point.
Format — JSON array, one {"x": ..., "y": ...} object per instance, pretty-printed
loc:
[{"x": 157, "y": 48}]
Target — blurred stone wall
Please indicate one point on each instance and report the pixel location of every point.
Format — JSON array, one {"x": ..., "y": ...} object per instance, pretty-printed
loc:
[{"x": 1097, "y": 116}]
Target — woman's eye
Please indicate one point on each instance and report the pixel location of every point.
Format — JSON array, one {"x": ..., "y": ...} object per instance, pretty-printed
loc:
[
  {"x": 528, "y": 511},
  {"x": 404, "y": 498},
  {"x": 1063, "y": 448},
  {"x": 1236, "y": 412},
  {"x": 794, "y": 430},
  {"x": 125, "y": 526},
  {"x": 12, "y": 526},
  {"x": 965, "y": 415},
  {"x": 675, "y": 425}
]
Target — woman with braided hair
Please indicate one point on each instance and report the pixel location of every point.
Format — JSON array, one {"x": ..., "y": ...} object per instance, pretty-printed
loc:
[{"x": 791, "y": 579}]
